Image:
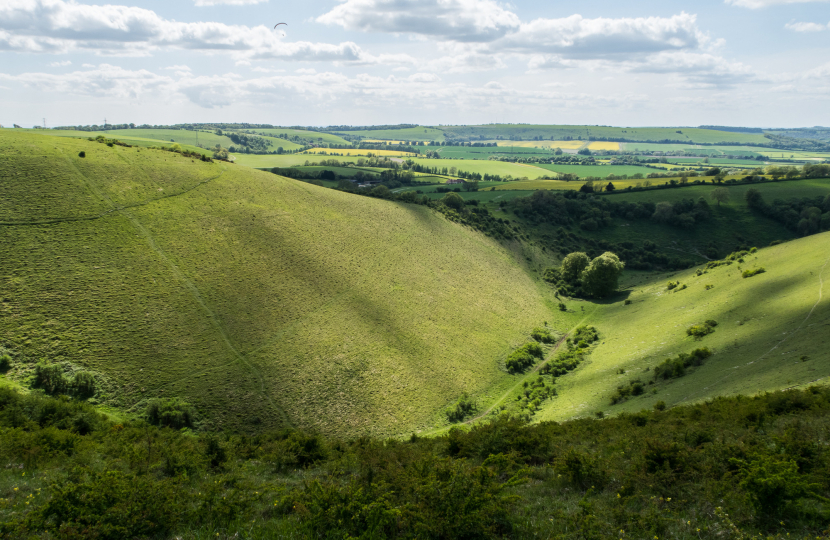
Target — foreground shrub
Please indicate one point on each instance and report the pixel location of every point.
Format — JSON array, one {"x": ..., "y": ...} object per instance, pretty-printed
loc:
[
  {"x": 465, "y": 407},
  {"x": 542, "y": 335}
]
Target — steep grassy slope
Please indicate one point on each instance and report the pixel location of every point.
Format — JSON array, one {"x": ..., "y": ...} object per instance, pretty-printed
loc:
[
  {"x": 773, "y": 332},
  {"x": 263, "y": 301}
]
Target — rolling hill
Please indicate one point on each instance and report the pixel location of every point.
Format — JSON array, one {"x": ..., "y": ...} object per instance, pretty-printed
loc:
[
  {"x": 264, "y": 301},
  {"x": 773, "y": 332}
]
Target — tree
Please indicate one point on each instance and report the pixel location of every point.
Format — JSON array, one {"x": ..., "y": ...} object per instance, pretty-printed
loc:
[
  {"x": 587, "y": 187},
  {"x": 453, "y": 200},
  {"x": 573, "y": 265},
  {"x": 663, "y": 212},
  {"x": 714, "y": 171},
  {"x": 720, "y": 195},
  {"x": 754, "y": 198},
  {"x": 601, "y": 277},
  {"x": 610, "y": 187},
  {"x": 471, "y": 185}
]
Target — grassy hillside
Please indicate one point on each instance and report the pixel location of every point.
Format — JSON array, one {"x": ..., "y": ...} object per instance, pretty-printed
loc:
[
  {"x": 263, "y": 301},
  {"x": 772, "y": 333},
  {"x": 327, "y": 138}
]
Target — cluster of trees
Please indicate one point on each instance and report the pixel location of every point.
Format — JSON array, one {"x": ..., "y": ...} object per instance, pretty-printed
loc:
[
  {"x": 252, "y": 144},
  {"x": 593, "y": 213},
  {"x": 804, "y": 215},
  {"x": 579, "y": 275}
]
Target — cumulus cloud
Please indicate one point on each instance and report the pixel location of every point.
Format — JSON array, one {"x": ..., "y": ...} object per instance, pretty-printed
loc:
[
  {"x": 698, "y": 69},
  {"x": 757, "y": 4},
  {"x": 456, "y": 20},
  {"x": 807, "y": 27},
  {"x": 576, "y": 36},
  {"x": 423, "y": 90},
  {"x": 60, "y": 26}
]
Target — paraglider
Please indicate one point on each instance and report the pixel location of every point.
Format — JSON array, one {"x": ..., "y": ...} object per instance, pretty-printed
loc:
[{"x": 276, "y": 25}]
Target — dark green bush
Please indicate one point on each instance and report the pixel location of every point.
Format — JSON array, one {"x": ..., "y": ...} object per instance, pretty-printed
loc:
[
  {"x": 753, "y": 272},
  {"x": 5, "y": 362},
  {"x": 464, "y": 407},
  {"x": 170, "y": 412},
  {"x": 698, "y": 331},
  {"x": 542, "y": 335},
  {"x": 524, "y": 357},
  {"x": 83, "y": 384},
  {"x": 672, "y": 368},
  {"x": 50, "y": 379}
]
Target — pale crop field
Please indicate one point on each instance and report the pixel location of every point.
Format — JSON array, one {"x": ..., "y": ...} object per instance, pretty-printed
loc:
[
  {"x": 603, "y": 145},
  {"x": 564, "y": 145},
  {"x": 502, "y": 168},
  {"x": 259, "y": 299},
  {"x": 358, "y": 152},
  {"x": 773, "y": 332}
]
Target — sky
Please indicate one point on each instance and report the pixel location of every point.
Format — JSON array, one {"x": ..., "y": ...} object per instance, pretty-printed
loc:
[{"x": 757, "y": 63}]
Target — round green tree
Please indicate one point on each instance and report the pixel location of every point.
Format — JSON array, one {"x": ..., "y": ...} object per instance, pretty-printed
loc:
[
  {"x": 601, "y": 277},
  {"x": 573, "y": 265}
]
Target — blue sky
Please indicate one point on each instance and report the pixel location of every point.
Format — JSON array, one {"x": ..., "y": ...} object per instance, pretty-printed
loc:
[{"x": 729, "y": 62}]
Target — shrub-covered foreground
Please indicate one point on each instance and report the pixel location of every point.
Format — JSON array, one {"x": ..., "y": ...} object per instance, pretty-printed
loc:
[{"x": 728, "y": 468}]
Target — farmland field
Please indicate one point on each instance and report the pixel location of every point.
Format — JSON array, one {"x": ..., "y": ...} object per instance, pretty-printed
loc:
[
  {"x": 249, "y": 295},
  {"x": 600, "y": 171},
  {"x": 327, "y": 138},
  {"x": 466, "y": 152},
  {"x": 266, "y": 161},
  {"x": 358, "y": 152},
  {"x": 420, "y": 133},
  {"x": 501, "y": 168},
  {"x": 693, "y": 135}
]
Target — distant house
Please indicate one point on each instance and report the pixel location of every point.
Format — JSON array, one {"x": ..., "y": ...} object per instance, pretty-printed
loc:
[{"x": 455, "y": 181}]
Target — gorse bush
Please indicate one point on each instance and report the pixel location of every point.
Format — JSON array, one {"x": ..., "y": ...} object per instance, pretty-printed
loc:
[
  {"x": 5, "y": 361},
  {"x": 542, "y": 335},
  {"x": 464, "y": 407},
  {"x": 753, "y": 272},
  {"x": 50, "y": 378},
  {"x": 672, "y": 368},
  {"x": 524, "y": 357},
  {"x": 170, "y": 412},
  {"x": 654, "y": 473},
  {"x": 698, "y": 331}
]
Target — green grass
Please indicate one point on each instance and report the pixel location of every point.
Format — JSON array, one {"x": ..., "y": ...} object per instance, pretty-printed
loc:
[
  {"x": 466, "y": 152},
  {"x": 516, "y": 170},
  {"x": 600, "y": 171},
  {"x": 767, "y": 325},
  {"x": 286, "y": 160},
  {"x": 250, "y": 295},
  {"x": 327, "y": 138},
  {"x": 420, "y": 133}
]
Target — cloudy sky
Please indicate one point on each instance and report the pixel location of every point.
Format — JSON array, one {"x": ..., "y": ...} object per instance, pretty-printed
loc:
[{"x": 359, "y": 62}]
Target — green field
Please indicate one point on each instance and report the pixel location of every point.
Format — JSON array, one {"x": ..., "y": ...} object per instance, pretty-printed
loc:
[
  {"x": 420, "y": 133},
  {"x": 601, "y": 171},
  {"x": 249, "y": 295},
  {"x": 771, "y": 334},
  {"x": 467, "y": 152},
  {"x": 501, "y": 168},
  {"x": 266, "y": 161},
  {"x": 327, "y": 138},
  {"x": 554, "y": 132}
]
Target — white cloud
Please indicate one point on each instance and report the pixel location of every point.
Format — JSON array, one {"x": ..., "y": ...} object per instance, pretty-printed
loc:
[
  {"x": 757, "y": 4},
  {"x": 576, "y": 36},
  {"x": 698, "y": 69},
  {"x": 104, "y": 81},
  {"x": 60, "y": 26},
  {"x": 227, "y": 2},
  {"x": 456, "y": 20},
  {"x": 61, "y": 64},
  {"x": 806, "y": 27}
]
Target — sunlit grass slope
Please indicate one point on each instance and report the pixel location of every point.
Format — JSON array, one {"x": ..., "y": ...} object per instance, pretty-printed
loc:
[
  {"x": 773, "y": 332},
  {"x": 261, "y": 300}
]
